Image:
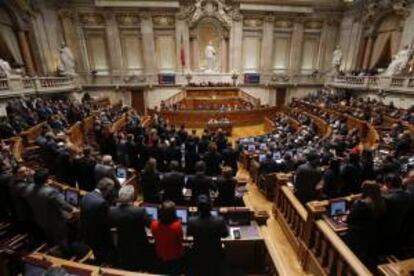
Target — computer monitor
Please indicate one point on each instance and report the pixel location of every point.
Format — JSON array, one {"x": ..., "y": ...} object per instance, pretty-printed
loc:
[
  {"x": 72, "y": 197},
  {"x": 182, "y": 214},
  {"x": 214, "y": 213},
  {"x": 251, "y": 148},
  {"x": 121, "y": 172},
  {"x": 152, "y": 212},
  {"x": 276, "y": 155},
  {"x": 337, "y": 208},
  {"x": 34, "y": 267},
  {"x": 263, "y": 146},
  {"x": 262, "y": 157}
]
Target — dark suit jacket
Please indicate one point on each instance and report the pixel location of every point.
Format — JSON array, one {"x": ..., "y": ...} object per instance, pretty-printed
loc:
[
  {"x": 85, "y": 173},
  {"x": 173, "y": 183},
  {"x": 397, "y": 205},
  {"x": 226, "y": 191},
  {"x": 213, "y": 161},
  {"x": 151, "y": 187},
  {"x": 47, "y": 206},
  {"x": 207, "y": 251},
  {"x": 307, "y": 177},
  {"x": 95, "y": 226},
  {"x": 102, "y": 171},
  {"x": 132, "y": 247},
  {"x": 230, "y": 159},
  {"x": 268, "y": 166},
  {"x": 199, "y": 184}
]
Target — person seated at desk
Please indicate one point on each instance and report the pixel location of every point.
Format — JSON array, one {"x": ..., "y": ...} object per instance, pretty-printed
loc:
[
  {"x": 364, "y": 220},
  {"x": 168, "y": 236},
  {"x": 226, "y": 185},
  {"x": 172, "y": 183},
  {"x": 207, "y": 230},
  {"x": 150, "y": 181},
  {"x": 199, "y": 184},
  {"x": 130, "y": 221},
  {"x": 95, "y": 224}
]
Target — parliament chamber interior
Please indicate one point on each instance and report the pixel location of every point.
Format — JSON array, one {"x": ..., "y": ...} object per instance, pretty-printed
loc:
[{"x": 206, "y": 137}]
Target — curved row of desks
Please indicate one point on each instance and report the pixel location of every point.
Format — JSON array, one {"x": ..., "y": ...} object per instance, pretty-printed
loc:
[{"x": 198, "y": 119}]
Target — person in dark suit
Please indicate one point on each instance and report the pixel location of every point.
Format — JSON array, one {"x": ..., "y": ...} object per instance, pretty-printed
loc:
[
  {"x": 397, "y": 203},
  {"x": 307, "y": 178},
  {"x": 226, "y": 185},
  {"x": 207, "y": 231},
  {"x": 173, "y": 152},
  {"x": 333, "y": 183},
  {"x": 85, "y": 171},
  {"x": 364, "y": 221},
  {"x": 48, "y": 207},
  {"x": 150, "y": 180},
  {"x": 351, "y": 172},
  {"x": 230, "y": 157},
  {"x": 130, "y": 222},
  {"x": 213, "y": 160},
  {"x": 199, "y": 184},
  {"x": 106, "y": 169},
  {"x": 172, "y": 183},
  {"x": 268, "y": 165},
  {"x": 94, "y": 221}
]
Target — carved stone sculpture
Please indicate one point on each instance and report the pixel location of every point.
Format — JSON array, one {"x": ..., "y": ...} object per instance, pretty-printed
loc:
[
  {"x": 67, "y": 61},
  {"x": 210, "y": 54},
  {"x": 399, "y": 62},
  {"x": 337, "y": 58},
  {"x": 5, "y": 69}
]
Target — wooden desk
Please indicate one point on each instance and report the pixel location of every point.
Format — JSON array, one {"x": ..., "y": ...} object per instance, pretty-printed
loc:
[
  {"x": 226, "y": 127},
  {"x": 397, "y": 268},
  {"x": 200, "y": 118}
]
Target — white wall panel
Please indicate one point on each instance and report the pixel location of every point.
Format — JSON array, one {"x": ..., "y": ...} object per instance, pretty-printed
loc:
[
  {"x": 165, "y": 47},
  {"x": 251, "y": 54}
]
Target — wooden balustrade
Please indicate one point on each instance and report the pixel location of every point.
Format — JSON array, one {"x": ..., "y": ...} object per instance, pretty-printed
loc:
[
  {"x": 269, "y": 126},
  {"x": 327, "y": 254},
  {"x": 4, "y": 84}
]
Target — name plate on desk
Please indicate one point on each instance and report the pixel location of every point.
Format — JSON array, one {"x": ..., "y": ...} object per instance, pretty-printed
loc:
[
  {"x": 166, "y": 79},
  {"x": 251, "y": 78}
]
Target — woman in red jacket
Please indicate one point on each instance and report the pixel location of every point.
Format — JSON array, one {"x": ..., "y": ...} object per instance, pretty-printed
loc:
[{"x": 168, "y": 236}]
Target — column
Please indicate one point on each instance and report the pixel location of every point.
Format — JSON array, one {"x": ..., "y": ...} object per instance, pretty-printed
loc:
[
  {"x": 194, "y": 53},
  {"x": 236, "y": 42},
  {"x": 148, "y": 44},
  {"x": 267, "y": 45},
  {"x": 71, "y": 40},
  {"x": 297, "y": 46},
  {"x": 182, "y": 40},
  {"x": 322, "y": 47},
  {"x": 27, "y": 56},
  {"x": 368, "y": 50},
  {"x": 114, "y": 43},
  {"x": 223, "y": 54}
]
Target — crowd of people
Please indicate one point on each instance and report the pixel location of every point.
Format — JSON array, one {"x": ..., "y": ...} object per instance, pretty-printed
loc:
[
  {"x": 171, "y": 160},
  {"x": 23, "y": 113}
]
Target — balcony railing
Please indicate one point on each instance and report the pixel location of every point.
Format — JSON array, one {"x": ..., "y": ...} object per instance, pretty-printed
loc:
[
  {"x": 402, "y": 84},
  {"x": 17, "y": 85}
]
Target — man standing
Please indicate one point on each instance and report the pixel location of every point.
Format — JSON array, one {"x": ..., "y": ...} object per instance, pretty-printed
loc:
[
  {"x": 130, "y": 221},
  {"x": 94, "y": 221},
  {"x": 307, "y": 178},
  {"x": 207, "y": 231}
]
